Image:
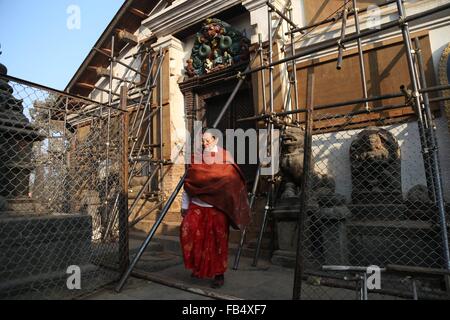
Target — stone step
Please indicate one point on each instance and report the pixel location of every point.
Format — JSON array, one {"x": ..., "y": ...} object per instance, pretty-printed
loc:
[
  {"x": 133, "y": 192},
  {"x": 286, "y": 259},
  {"x": 137, "y": 181},
  {"x": 147, "y": 223},
  {"x": 21, "y": 205},
  {"x": 170, "y": 228}
]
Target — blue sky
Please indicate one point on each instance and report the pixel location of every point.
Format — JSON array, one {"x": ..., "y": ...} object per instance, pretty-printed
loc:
[{"x": 37, "y": 44}]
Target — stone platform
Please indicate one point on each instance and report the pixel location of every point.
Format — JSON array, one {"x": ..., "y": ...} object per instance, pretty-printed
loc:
[
  {"x": 36, "y": 249},
  {"x": 362, "y": 235}
]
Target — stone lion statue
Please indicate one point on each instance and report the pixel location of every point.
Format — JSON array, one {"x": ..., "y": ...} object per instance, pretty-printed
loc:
[
  {"x": 292, "y": 152},
  {"x": 291, "y": 165}
]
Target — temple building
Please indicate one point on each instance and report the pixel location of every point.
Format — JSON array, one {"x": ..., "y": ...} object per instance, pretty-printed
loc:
[
  {"x": 354, "y": 96},
  {"x": 205, "y": 44}
]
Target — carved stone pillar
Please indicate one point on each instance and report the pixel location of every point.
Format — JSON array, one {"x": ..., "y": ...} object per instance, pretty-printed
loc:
[{"x": 173, "y": 111}]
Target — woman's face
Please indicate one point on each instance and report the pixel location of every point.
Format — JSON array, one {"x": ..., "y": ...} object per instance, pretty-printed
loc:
[{"x": 208, "y": 141}]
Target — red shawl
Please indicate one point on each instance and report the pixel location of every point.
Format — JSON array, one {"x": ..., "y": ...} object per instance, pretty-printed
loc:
[{"x": 221, "y": 184}]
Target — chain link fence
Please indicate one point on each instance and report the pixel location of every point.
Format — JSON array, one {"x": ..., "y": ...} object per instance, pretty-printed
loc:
[
  {"x": 62, "y": 195},
  {"x": 372, "y": 202}
]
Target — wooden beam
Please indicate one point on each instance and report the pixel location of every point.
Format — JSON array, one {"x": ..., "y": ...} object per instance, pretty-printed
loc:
[
  {"x": 100, "y": 71},
  {"x": 92, "y": 87},
  {"x": 85, "y": 85},
  {"x": 138, "y": 13},
  {"x": 128, "y": 37},
  {"x": 104, "y": 51}
]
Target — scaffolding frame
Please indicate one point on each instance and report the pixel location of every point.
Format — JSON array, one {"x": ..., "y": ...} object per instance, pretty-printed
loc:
[
  {"x": 141, "y": 153},
  {"x": 418, "y": 100}
]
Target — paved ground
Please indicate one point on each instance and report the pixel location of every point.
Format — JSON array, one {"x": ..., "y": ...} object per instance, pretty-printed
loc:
[
  {"x": 265, "y": 282},
  {"x": 137, "y": 289}
]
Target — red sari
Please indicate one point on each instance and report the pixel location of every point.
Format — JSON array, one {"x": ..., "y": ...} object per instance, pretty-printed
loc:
[
  {"x": 205, "y": 231},
  {"x": 204, "y": 239}
]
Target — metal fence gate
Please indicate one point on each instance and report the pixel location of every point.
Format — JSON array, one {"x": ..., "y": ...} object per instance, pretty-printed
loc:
[{"x": 62, "y": 196}]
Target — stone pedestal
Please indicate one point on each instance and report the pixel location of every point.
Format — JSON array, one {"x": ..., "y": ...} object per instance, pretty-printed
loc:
[
  {"x": 333, "y": 227},
  {"x": 17, "y": 136},
  {"x": 325, "y": 233},
  {"x": 38, "y": 250},
  {"x": 410, "y": 243}
]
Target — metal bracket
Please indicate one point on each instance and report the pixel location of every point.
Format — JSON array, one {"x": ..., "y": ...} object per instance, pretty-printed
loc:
[
  {"x": 240, "y": 76},
  {"x": 402, "y": 21}
]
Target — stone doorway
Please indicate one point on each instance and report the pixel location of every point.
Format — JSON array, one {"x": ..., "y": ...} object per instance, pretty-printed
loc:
[
  {"x": 205, "y": 97},
  {"x": 241, "y": 107}
]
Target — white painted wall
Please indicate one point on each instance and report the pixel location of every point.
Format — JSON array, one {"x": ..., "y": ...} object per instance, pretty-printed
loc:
[{"x": 331, "y": 153}]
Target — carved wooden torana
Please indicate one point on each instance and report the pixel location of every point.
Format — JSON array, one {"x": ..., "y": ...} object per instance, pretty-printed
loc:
[{"x": 217, "y": 46}]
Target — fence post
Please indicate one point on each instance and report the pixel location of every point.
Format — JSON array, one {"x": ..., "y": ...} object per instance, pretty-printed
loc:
[
  {"x": 299, "y": 265},
  {"x": 124, "y": 259}
]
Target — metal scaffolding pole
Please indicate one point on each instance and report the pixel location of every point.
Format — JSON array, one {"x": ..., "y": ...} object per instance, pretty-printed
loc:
[
  {"x": 421, "y": 82},
  {"x": 124, "y": 254},
  {"x": 141, "y": 192},
  {"x": 244, "y": 232},
  {"x": 120, "y": 62},
  {"x": 146, "y": 86},
  {"x": 360, "y": 54},
  {"x": 263, "y": 73},
  {"x": 416, "y": 98},
  {"x": 147, "y": 104},
  {"x": 334, "y": 19},
  {"x": 108, "y": 126},
  {"x": 305, "y": 184},
  {"x": 333, "y": 43},
  {"x": 341, "y": 46},
  {"x": 293, "y": 80},
  {"x": 143, "y": 116},
  {"x": 422, "y": 115},
  {"x": 161, "y": 132},
  {"x": 345, "y": 103},
  {"x": 433, "y": 148},
  {"x": 270, "y": 196},
  {"x": 132, "y": 83},
  {"x": 159, "y": 167}
]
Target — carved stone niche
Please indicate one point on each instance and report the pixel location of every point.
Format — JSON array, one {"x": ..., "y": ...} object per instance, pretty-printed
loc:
[{"x": 376, "y": 168}]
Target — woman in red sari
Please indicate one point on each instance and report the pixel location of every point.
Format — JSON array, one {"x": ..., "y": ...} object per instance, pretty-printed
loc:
[{"x": 215, "y": 197}]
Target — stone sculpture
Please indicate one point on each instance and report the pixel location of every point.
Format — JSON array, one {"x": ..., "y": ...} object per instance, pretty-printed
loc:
[{"x": 376, "y": 167}]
